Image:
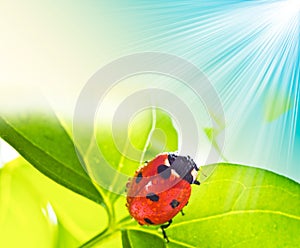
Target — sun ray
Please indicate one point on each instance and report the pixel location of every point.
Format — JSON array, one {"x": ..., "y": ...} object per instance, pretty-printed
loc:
[{"x": 247, "y": 49}]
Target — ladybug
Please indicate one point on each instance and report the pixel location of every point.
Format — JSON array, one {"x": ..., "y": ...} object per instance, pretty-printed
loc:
[{"x": 160, "y": 189}]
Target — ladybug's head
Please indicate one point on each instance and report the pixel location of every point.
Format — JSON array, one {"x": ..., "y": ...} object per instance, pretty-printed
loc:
[{"x": 184, "y": 166}]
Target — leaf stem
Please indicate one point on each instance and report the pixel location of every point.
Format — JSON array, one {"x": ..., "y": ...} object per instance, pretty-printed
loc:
[{"x": 125, "y": 219}]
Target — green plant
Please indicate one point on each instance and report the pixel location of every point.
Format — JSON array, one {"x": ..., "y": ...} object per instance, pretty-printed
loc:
[{"x": 236, "y": 206}]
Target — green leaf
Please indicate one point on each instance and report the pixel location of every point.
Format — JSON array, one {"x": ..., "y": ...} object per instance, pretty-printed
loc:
[
  {"x": 239, "y": 206},
  {"x": 76, "y": 217},
  {"x": 41, "y": 139},
  {"x": 276, "y": 104},
  {"x": 65, "y": 238},
  {"x": 134, "y": 238},
  {"x": 212, "y": 134},
  {"x": 123, "y": 151},
  {"x": 27, "y": 219}
]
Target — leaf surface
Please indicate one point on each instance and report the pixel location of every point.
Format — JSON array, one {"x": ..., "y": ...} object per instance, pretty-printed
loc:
[
  {"x": 237, "y": 206},
  {"x": 41, "y": 139},
  {"x": 240, "y": 206}
]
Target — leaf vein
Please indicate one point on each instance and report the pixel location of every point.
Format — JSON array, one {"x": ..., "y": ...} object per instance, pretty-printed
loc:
[{"x": 236, "y": 212}]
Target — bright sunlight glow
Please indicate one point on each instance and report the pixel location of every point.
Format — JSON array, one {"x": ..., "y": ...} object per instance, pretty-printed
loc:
[
  {"x": 286, "y": 11},
  {"x": 50, "y": 214},
  {"x": 7, "y": 153}
]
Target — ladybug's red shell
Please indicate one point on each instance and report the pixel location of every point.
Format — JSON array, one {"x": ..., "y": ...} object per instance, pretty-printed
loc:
[{"x": 160, "y": 189}]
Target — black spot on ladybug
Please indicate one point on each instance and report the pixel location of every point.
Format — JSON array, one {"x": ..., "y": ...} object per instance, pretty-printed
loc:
[
  {"x": 139, "y": 177},
  {"x": 164, "y": 171},
  {"x": 174, "y": 203},
  {"x": 148, "y": 221},
  {"x": 153, "y": 197}
]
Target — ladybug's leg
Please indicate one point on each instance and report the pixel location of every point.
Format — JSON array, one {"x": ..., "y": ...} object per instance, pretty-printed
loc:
[
  {"x": 196, "y": 182},
  {"x": 163, "y": 227},
  {"x": 181, "y": 211}
]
